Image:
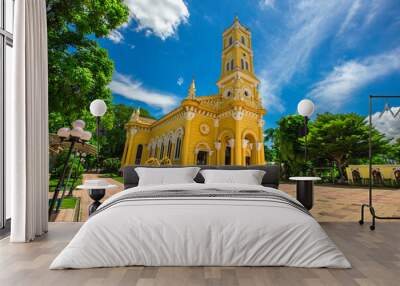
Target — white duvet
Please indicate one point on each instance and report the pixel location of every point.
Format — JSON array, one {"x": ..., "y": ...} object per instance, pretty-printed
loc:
[{"x": 200, "y": 231}]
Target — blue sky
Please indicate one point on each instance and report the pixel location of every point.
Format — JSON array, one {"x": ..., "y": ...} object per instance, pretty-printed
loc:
[{"x": 334, "y": 52}]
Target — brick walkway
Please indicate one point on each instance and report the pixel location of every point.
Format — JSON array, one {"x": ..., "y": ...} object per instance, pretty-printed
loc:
[
  {"x": 331, "y": 204},
  {"x": 343, "y": 204}
]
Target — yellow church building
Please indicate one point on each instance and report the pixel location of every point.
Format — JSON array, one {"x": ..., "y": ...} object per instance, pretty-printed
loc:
[{"x": 219, "y": 129}]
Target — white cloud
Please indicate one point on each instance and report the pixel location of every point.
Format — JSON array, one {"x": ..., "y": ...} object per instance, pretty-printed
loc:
[
  {"x": 159, "y": 17},
  {"x": 116, "y": 36},
  {"x": 340, "y": 85},
  {"x": 134, "y": 89},
  {"x": 359, "y": 15},
  {"x": 269, "y": 98},
  {"x": 375, "y": 7},
  {"x": 387, "y": 124},
  {"x": 180, "y": 81},
  {"x": 305, "y": 25},
  {"x": 354, "y": 8},
  {"x": 267, "y": 3}
]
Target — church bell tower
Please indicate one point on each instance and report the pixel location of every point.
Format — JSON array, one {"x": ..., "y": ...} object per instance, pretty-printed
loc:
[{"x": 237, "y": 80}]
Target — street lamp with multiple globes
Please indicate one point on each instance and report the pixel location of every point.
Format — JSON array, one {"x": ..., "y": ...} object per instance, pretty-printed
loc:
[
  {"x": 74, "y": 136},
  {"x": 305, "y": 108},
  {"x": 98, "y": 108}
]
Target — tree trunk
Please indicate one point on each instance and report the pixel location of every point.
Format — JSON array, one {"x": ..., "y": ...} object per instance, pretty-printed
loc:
[{"x": 340, "y": 167}]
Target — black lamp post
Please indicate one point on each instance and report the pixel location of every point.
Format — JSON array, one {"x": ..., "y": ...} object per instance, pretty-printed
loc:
[
  {"x": 306, "y": 109},
  {"x": 98, "y": 108}
]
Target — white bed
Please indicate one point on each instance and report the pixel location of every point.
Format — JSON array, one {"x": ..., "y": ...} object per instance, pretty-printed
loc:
[{"x": 185, "y": 230}]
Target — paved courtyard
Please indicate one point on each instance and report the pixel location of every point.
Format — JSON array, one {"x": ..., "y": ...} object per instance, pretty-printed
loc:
[
  {"x": 341, "y": 204},
  {"x": 331, "y": 204}
]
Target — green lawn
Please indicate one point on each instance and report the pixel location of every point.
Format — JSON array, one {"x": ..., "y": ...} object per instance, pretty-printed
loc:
[
  {"x": 53, "y": 183},
  {"x": 114, "y": 176},
  {"x": 69, "y": 203}
]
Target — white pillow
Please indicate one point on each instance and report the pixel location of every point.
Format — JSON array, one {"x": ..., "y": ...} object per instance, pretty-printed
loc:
[
  {"x": 248, "y": 177},
  {"x": 166, "y": 176}
]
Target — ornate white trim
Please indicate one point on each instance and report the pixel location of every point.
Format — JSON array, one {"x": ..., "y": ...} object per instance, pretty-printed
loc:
[
  {"x": 261, "y": 122},
  {"x": 231, "y": 142},
  {"x": 216, "y": 122},
  {"x": 204, "y": 128},
  {"x": 237, "y": 115},
  {"x": 249, "y": 93},
  {"x": 218, "y": 145},
  {"x": 259, "y": 146},
  {"x": 227, "y": 91},
  {"x": 189, "y": 115},
  {"x": 133, "y": 131}
]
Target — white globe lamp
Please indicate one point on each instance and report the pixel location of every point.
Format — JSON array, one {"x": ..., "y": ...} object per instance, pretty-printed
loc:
[
  {"x": 77, "y": 132},
  {"x": 98, "y": 107},
  {"x": 86, "y": 136},
  {"x": 305, "y": 108},
  {"x": 79, "y": 123},
  {"x": 64, "y": 132}
]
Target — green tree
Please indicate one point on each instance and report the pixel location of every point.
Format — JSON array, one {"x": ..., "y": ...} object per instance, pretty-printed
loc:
[
  {"x": 271, "y": 148},
  {"x": 287, "y": 145},
  {"x": 394, "y": 152},
  {"x": 79, "y": 69},
  {"x": 114, "y": 139},
  {"x": 342, "y": 137}
]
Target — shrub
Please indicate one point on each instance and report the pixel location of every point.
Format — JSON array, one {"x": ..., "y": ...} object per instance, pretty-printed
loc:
[{"x": 111, "y": 165}]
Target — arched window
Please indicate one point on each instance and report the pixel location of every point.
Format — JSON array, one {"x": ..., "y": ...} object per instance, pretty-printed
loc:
[
  {"x": 242, "y": 64},
  {"x": 232, "y": 63},
  {"x": 243, "y": 40},
  {"x": 227, "y": 66},
  {"x": 230, "y": 41},
  {"x": 229, "y": 93},
  {"x": 246, "y": 93},
  {"x": 139, "y": 152},
  {"x": 247, "y": 66},
  {"x": 169, "y": 149},
  {"x": 228, "y": 155},
  {"x": 161, "y": 151},
  {"x": 178, "y": 148}
]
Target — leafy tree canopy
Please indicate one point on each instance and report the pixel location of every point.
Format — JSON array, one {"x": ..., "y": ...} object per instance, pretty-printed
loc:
[
  {"x": 79, "y": 69},
  {"x": 342, "y": 137}
]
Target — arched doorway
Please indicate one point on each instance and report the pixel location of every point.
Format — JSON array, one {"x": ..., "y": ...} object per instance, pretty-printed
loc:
[
  {"x": 228, "y": 155},
  {"x": 202, "y": 153},
  {"x": 249, "y": 147},
  {"x": 225, "y": 150},
  {"x": 202, "y": 158},
  {"x": 248, "y": 158}
]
